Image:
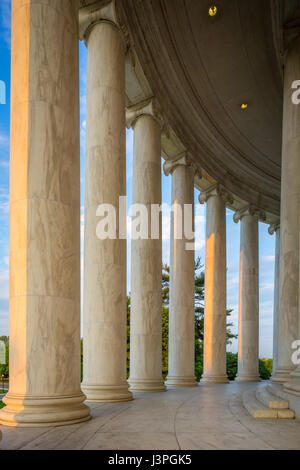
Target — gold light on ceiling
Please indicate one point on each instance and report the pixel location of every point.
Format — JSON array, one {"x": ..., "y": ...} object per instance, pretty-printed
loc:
[
  {"x": 244, "y": 106},
  {"x": 213, "y": 10}
]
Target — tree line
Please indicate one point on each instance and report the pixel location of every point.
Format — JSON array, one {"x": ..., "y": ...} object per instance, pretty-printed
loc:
[{"x": 265, "y": 365}]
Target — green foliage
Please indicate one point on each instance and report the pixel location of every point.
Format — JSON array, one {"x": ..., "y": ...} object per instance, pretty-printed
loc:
[
  {"x": 2, "y": 405},
  {"x": 165, "y": 284},
  {"x": 81, "y": 360},
  {"x": 4, "y": 368},
  {"x": 264, "y": 372},
  {"x": 231, "y": 365},
  {"x": 265, "y": 365},
  {"x": 199, "y": 318},
  {"x": 165, "y": 339},
  {"x": 128, "y": 335},
  {"x": 198, "y": 358},
  {"x": 269, "y": 365}
]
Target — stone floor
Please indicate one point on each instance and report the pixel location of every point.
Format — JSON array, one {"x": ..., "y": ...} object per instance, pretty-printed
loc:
[{"x": 206, "y": 417}]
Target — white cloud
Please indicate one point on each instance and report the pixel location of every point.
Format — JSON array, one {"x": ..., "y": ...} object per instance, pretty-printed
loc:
[
  {"x": 5, "y": 15},
  {"x": 4, "y": 285},
  {"x": 269, "y": 287},
  {"x": 268, "y": 258},
  {"x": 4, "y": 204}
]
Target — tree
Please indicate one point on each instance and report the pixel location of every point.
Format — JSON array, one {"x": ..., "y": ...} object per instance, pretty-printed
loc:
[
  {"x": 232, "y": 366},
  {"x": 165, "y": 284},
  {"x": 264, "y": 371},
  {"x": 128, "y": 335},
  {"x": 165, "y": 339},
  {"x": 4, "y": 368},
  {"x": 199, "y": 317}
]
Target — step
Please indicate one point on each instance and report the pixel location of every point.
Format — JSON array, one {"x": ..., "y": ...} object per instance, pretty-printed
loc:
[
  {"x": 264, "y": 396},
  {"x": 258, "y": 410},
  {"x": 274, "y": 389}
]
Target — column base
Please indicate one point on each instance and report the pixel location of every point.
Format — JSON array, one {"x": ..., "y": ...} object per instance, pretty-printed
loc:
[
  {"x": 172, "y": 381},
  {"x": 281, "y": 375},
  {"x": 247, "y": 378},
  {"x": 106, "y": 393},
  {"x": 215, "y": 379},
  {"x": 293, "y": 384},
  {"x": 24, "y": 411},
  {"x": 146, "y": 385}
]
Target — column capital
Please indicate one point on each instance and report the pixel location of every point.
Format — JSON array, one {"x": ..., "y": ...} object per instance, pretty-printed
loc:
[
  {"x": 182, "y": 159},
  {"x": 249, "y": 210},
  {"x": 144, "y": 108},
  {"x": 101, "y": 11},
  {"x": 274, "y": 227},
  {"x": 215, "y": 190}
]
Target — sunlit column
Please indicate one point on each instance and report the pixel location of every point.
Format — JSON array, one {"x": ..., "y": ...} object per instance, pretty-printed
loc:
[
  {"x": 146, "y": 252},
  {"x": 275, "y": 228},
  {"x": 104, "y": 307},
  {"x": 182, "y": 277},
  {"x": 248, "y": 337},
  {"x": 44, "y": 362},
  {"x": 289, "y": 219},
  {"x": 214, "y": 369}
]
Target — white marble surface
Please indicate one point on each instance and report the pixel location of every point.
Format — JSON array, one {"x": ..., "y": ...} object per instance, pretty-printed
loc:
[
  {"x": 248, "y": 336},
  {"x": 104, "y": 306},
  {"x": 214, "y": 364},
  {"x": 208, "y": 417},
  {"x": 44, "y": 217},
  {"x": 289, "y": 223},
  {"x": 146, "y": 263},
  {"x": 182, "y": 312}
]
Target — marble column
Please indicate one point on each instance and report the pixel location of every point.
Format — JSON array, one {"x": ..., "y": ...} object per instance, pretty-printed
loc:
[
  {"x": 182, "y": 279},
  {"x": 214, "y": 369},
  {"x": 104, "y": 306},
  {"x": 289, "y": 220},
  {"x": 44, "y": 388},
  {"x": 275, "y": 228},
  {"x": 248, "y": 336},
  {"x": 146, "y": 254}
]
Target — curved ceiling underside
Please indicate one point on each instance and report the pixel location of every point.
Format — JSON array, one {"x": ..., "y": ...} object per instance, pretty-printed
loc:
[{"x": 201, "y": 69}]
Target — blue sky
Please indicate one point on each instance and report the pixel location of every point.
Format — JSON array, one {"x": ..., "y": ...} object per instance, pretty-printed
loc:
[{"x": 267, "y": 242}]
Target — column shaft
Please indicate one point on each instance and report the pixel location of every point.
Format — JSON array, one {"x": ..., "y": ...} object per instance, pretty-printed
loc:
[
  {"x": 215, "y": 292},
  {"x": 182, "y": 286},
  {"x": 104, "y": 345},
  {"x": 248, "y": 302},
  {"x": 276, "y": 301},
  {"x": 146, "y": 263},
  {"x": 44, "y": 387},
  {"x": 289, "y": 222}
]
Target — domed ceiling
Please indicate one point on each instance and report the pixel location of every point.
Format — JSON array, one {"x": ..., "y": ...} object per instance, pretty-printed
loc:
[
  {"x": 219, "y": 82},
  {"x": 202, "y": 68}
]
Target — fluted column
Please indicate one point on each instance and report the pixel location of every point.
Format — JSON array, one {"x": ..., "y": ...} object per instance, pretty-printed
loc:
[
  {"x": 288, "y": 370},
  {"x": 214, "y": 369},
  {"x": 44, "y": 388},
  {"x": 248, "y": 337},
  {"x": 289, "y": 220},
  {"x": 104, "y": 334},
  {"x": 146, "y": 253},
  {"x": 275, "y": 228},
  {"x": 182, "y": 279}
]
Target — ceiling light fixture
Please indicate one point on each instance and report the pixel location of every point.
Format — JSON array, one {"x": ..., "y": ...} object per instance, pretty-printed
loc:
[{"x": 213, "y": 10}]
